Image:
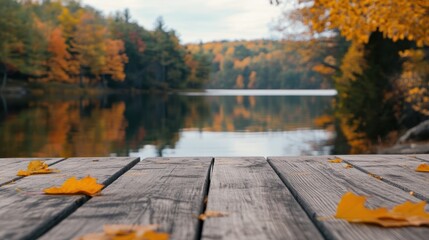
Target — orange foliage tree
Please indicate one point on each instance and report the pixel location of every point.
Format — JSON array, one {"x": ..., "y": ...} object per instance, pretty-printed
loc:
[
  {"x": 115, "y": 60},
  {"x": 58, "y": 62}
]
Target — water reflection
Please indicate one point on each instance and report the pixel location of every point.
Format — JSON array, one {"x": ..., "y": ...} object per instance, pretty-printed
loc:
[{"x": 163, "y": 125}]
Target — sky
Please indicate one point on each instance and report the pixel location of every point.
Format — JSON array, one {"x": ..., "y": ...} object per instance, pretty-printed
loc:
[{"x": 201, "y": 20}]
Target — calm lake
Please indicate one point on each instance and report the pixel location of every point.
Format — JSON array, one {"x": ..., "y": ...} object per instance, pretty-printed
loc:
[{"x": 212, "y": 123}]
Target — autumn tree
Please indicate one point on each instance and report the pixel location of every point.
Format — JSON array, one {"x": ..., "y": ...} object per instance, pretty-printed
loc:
[
  {"x": 372, "y": 74},
  {"x": 357, "y": 19},
  {"x": 115, "y": 60},
  {"x": 68, "y": 23},
  {"x": 90, "y": 46},
  {"x": 58, "y": 62}
]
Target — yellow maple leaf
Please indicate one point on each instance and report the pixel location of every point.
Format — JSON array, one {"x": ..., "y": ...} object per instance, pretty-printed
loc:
[
  {"x": 336, "y": 160},
  {"x": 423, "y": 168},
  {"x": 209, "y": 214},
  {"x": 87, "y": 185},
  {"x": 35, "y": 167},
  {"x": 352, "y": 209}
]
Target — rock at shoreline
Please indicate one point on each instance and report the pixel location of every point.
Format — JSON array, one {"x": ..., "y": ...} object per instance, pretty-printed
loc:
[
  {"x": 407, "y": 148},
  {"x": 417, "y": 133}
]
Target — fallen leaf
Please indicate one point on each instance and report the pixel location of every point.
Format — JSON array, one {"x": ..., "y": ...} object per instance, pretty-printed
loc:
[
  {"x": 87, "y": 185},
  {"x": 121, "y": 229},
  {"x": 336, "y": 160},
  {"x": 209, "y": 214},
  {"x": 347, "y": 166},
  {"x": 352, "y": 209},
  {"x": 375, "y": 176},
  {"x": 127, "y": 232},
  {"x": 152, "y": 235},
  {"x": 423, "y": 168},
  {"x": 35, "y": 167}
]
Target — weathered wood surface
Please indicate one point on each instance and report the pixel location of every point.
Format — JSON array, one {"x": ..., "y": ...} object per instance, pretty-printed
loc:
[
  {"x": 281, "y": 198},
  {"x": 259, "y": 204},
  {"x": 9, "y": 167},
  {"x": 423, "y": 157},
  {"x": 397, "y": 170},
  {"x": 319, "y": 185},
  {"x": 26, "y": 213},
  {"x": 165, "y": 191}
]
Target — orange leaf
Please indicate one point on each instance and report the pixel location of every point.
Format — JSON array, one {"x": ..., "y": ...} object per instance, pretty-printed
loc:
[
  {"x": 86, "y": 185},
  {"x": 347, "y": 166},
  {"x": 152, "y": 235},
  {"x": 35, "y": 167},
  {"x": 352, "y": 209},
  {"x": 336, "y": 160},
  {"x": 208, "y": 214},
  {"x": 423, "y": 168},
  {"x": 127, "y": 232},
  {"x": 123, "y": 229}
]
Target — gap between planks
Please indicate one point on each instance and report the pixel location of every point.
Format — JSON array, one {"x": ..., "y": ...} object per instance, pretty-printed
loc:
[
  {"x": 326, "y": 234},
  {"x": 200, "y": 225}
]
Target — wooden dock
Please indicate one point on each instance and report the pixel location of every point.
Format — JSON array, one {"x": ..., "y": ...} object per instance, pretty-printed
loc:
[{"x": 265, "y": 198}]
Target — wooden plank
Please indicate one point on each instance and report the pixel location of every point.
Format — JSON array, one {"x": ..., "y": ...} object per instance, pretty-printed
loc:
[
  {"x": 26, "y": 213},
  {"x": 319, "y": 185},
  {"x": 259, "y": 204},
  {"x": 165, "y": 191},
  {"x": 423, "y": 157},
  {"x": 397, "y": 170},
  {"x": 9, "y": 167}
]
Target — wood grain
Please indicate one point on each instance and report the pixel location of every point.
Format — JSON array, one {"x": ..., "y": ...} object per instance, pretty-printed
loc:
[
  {"x": 318, "y": 185},
  {"x": 423, "y": 157},
  {"x": 164, "y": 191},
  {"x": 397, "y": 170},
  {"x": 9, "y": 167},
  {"x": 26, "y": 213},
  {"x": 259, "y": 204}
]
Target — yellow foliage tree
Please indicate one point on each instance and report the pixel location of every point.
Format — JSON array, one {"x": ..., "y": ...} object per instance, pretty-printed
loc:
[
  {"x": 115, "y": 59},
  {"x": 357, "y": 19},
  {"x": 413, "y": 81}
]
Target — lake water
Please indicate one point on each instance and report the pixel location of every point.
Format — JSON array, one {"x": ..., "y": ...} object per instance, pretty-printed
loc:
[{"x": 211, "y": 123}]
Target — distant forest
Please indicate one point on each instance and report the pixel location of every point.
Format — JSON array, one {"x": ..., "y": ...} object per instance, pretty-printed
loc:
[
  {"x": 65, "y": 42},
  {"x": 269, "y": 64}
]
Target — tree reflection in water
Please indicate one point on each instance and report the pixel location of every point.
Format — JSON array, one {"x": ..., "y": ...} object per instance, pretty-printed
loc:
[{"x": 121, "y": 124}]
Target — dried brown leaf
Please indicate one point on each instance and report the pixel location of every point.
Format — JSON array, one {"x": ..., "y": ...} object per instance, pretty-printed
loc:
[{"x": 209, "y": 214}]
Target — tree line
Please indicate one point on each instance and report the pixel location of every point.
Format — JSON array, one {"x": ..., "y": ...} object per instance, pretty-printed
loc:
[
  {"x": 63, "y": 41},
  {"x": 266, "y": 64}
]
